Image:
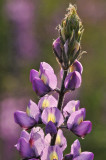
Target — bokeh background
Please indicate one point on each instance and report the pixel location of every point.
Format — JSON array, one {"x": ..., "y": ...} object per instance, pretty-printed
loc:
[{"x": 27, "y": 30}]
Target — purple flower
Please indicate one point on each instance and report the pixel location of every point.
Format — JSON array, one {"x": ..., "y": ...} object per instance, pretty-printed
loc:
[
  {"x": 60, "y": 140},
  {"x": 76, "y": 66},
  {"x": 29, "y": 118},
  {"x": 52, "y": 114},
  {"x": 76, "y": 153},
  {"x": 31, "y": 145},
  {"x": 52, "y": 153},
  {"x": 71, "y": 107},
  {"x": 77, "y": 124},
  {"x": 47, "y": 101},
  {"x": 57, "y": 49},
  {"x": 22, "y": 26},
  {"x": 73, "y": 80},
  {"x": 43, "y": 81}
]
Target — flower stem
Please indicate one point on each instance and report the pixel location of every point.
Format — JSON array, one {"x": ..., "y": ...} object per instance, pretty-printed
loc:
[
  {"x": 61, "y": 95},
  {"x": 60, "y": 102}
]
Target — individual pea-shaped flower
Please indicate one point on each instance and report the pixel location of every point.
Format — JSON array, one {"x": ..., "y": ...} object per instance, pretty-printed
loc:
[
  {"x": 77, "y": 124},
  {"x": 29, "y": 118},
  {"x": 76, "y": 66},
  {"x": 60, "y": 140},
  {"x": 76, "y": 153},
  {"x": 52, "y": 114},
  {"x": 52, "y": 153},
  {"x": 47, "y": 101},
  {"x": 31, "y": 145},
  {"x": 43, "y": 81},
  {"x": 71, "y": 107},
  {"x": 73, "y": 80}
]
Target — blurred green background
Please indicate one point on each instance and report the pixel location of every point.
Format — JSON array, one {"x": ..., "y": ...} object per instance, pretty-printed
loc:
[{"x": 15, "y": 64}]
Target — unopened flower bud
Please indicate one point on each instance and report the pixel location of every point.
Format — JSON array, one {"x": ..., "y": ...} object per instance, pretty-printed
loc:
[
  {"x": 57, "y": 49},
  {"x": 76, "y": 47},
  {"x": 70, "y": 23}
]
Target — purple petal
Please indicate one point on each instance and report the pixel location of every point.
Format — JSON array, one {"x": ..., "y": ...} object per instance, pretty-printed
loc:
[
  {"x": 51, "y": 79},
  {"x": 33, "y": 74},
  {"x": 71, "y": 107},
  {"x": 25, "y": 135},
  {"x": 47, "y": 140},
  {"x": 57, "y": 48},
  {"x": 76, "y": 148},
  {"x": 36, "y": 133},
  {"x": 50, "y": 128},
  {"x": 85, "y": 156},
  {"x": 73, "y": 80},
  {"x": 47, "y": 101},
  {"x": 37, "y": 140},
  {"x": 76, "y": 66},
  {"x": 38, "y": 147},
  {"x": 52, "y": 153},
  {"x": 43, "y": 67},
  {"x": 24, "y": 120},
  {"x": 84, "y": 128},
  {"x": 76, "y": 118},
  {"x": 52, "y": 114},
  {"x": 25, "y": 150},
  {"x": 47, "y": 75},
  {"x": 33, "y": 111},
  {"x": 39, "y": 87},
  {"x": 61, "y": 140}
]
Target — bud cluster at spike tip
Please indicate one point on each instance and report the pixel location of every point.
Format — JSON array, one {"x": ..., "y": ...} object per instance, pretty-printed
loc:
[
  {"x": 49, "y": 142},
  {"x": 67, "y": 46}
]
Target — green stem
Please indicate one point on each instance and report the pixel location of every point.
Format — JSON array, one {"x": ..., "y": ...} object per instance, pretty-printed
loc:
[{"x": 61, "y": 95}]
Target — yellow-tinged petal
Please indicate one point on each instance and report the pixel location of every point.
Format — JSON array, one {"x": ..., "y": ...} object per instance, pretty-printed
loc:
[{"x": 53, "y": 156}]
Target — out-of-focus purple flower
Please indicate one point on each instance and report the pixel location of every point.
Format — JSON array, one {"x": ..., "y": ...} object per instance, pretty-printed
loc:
[
  {"x": 29, "y": 118},
  {"x": 47, "y": 101},
  {"x": 60, "y": 140},
  {"x": 73, "y": 80},
  {"x": 76, "y": 66},
  {"x": 43, "y": 81},
  {"x": 52, "y": 114},
  {"x": 52, "y": 153},
  {"x": 71, "y": 107},
  {"x": 8, "y": 126},
  {"x": 22, "y": 15},
  {"x": 57, "y": 49},
  {"x": 77, "y": 124},
  {"x": 76, "y": 153},
  {"x": 31, "y": 145}
]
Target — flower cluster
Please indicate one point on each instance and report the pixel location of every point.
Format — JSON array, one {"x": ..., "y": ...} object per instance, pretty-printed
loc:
[{"x": 49, "y": 143}]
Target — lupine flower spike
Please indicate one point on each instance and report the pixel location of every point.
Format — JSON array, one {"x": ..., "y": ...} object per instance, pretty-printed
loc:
[{"x": 49, "y": 143}]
